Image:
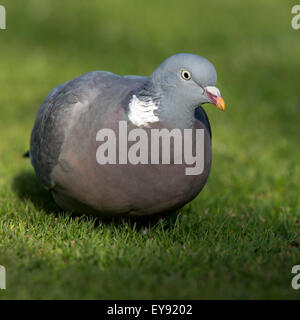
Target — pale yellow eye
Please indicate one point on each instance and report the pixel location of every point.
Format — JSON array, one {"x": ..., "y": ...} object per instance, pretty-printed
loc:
[{"x": 186, "y": 75}]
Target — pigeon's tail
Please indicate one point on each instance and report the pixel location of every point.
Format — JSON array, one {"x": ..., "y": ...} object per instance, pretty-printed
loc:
[{"x": 26, "y": 154}]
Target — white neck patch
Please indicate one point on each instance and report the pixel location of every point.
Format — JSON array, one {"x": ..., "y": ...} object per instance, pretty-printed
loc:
[{"x": 141, "y": 113}]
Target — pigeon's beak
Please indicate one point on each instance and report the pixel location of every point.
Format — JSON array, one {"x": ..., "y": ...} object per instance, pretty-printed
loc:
[{"x": 214, "y": 96}]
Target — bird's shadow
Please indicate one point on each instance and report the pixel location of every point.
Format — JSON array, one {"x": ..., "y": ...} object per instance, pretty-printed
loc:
[{"x": 27, "y": 187}]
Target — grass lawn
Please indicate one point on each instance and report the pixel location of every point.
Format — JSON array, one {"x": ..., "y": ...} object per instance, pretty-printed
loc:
[{"x": 241, "y": 236}]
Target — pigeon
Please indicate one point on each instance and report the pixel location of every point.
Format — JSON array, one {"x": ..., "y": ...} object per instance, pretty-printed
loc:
[{"x": 90, "y": 144}]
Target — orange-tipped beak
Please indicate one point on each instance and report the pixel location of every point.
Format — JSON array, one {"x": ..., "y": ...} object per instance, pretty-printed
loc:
[
  {"x": 220, "y": 103},
  {"x": 214, "y": 96}
]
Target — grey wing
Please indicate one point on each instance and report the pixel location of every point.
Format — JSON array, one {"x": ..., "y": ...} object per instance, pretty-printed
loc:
[
  {"x": 62, "y": 106},
  {"x": 49, "y": 131}
]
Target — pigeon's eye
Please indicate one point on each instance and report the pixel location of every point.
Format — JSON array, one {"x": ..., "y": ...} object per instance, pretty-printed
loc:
[{"x": 186, "y": 75}]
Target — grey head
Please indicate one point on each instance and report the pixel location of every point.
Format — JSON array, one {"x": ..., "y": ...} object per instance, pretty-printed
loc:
[{"x": 182, "y": 83}]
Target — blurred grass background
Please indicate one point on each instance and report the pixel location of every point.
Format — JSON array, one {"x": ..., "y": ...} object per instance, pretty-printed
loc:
[{"x": 241, "y": 236}]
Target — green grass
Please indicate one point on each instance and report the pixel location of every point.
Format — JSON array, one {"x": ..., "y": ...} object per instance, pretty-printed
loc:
[{"x": 241, "y": 236}]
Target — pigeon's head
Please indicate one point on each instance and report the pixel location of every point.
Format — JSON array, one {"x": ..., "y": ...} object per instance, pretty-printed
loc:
[{"x": 190, "y": 79}]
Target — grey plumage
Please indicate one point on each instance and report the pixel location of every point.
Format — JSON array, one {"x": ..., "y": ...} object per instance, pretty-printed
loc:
[{"x": 63, "y": 144}]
